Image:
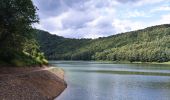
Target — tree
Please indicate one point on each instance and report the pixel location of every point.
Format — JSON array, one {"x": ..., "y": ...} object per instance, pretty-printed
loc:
[
  {"x": 18, "y": 46},
  {"x": 16, "y": 18}
]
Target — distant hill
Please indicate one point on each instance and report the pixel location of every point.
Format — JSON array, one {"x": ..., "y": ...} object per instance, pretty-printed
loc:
[
  {"x": 57, "y": 47},
  {"x": 151, "y": 44}
]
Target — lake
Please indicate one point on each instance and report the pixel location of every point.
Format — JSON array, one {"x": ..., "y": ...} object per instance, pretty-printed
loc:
[{"x": 108, "y": 81}]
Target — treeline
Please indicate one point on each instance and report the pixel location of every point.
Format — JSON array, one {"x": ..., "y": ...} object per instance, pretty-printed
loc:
[
  {"x": 147, "y": 45},
  {"x": 146, "y": 52}
]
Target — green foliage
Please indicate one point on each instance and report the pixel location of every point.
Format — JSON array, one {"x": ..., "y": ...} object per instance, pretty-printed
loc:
[
  {"x": 16, "y": 17},
  {"x": 15, "y": 58},
  {"x": 17, "y": 44},
  {"x": 56, "y": 47},
  {"x": 148, "y": 45}
]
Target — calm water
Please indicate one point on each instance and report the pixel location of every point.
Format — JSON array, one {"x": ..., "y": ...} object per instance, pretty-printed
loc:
[{"x": 106, "y": 81}]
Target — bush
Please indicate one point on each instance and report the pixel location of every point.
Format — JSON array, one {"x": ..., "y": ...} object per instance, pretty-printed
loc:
[{"x": 15, "y": 58}]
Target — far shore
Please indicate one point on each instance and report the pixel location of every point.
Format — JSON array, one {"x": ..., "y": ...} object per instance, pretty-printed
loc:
[{"x": 120, "y": 62}]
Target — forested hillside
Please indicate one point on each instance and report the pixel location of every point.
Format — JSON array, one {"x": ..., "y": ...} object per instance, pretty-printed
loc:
[
  {"x": 57, "y": 47},
  {"x": 147, "y": 45}
]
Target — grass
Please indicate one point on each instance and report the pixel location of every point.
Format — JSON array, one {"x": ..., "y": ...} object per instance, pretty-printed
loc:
[{"x": 19, "y": 59}]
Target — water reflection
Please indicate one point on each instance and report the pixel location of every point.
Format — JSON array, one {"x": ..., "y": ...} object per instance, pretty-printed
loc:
[{"x": 89, "y": 82}]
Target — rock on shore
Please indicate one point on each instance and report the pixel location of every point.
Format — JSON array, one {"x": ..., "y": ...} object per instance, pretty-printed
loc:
[{"x": 35, "y": 83}]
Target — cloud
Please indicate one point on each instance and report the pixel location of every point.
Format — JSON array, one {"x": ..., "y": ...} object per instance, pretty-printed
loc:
[
  {"x": 142, "y": 2},
  {"x": 136, "y": 13},
  {"x": 127, "y": 25},
  {"x": 161, "y": 8},
  {"x": 165, "y": 19},
  {"x": 138, "y": 2},
  {"x": 128, "y": 1},
  {"x": 97, "y": 18},
  {"x": 50, "y": 7},
  {"x": 76, "y": 19}
]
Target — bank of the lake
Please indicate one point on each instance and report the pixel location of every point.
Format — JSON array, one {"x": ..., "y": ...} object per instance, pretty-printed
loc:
[
  {"x": 31, "y": 83},
  {"x": 128, "y": 62}
]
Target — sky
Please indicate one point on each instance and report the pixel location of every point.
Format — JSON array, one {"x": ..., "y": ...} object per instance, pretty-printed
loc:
[{"x": 99, "y": 18}]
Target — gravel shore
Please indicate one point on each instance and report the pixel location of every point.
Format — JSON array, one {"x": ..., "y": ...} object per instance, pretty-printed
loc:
[{"x": 33, "y": 83}]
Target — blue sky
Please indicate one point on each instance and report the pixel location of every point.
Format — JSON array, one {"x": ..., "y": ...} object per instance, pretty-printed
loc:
[{"x": 100, "y": 18}]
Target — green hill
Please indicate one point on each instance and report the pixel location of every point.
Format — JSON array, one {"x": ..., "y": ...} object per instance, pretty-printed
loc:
[
  {"x": 57, "y": 47},
  {"x": 151, "y": 44}
]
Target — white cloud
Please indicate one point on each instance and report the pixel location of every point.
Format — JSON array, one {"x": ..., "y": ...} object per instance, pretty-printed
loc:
[
  {"x": 127, "y": 25},
  {"x": 136, "y": 13},
  {"x": 165, "y": 19},
  {"x": 136, "y": 3},
  {"x": 91, "y": 23},
  {"x": 97, "y": 18},
  {"x": 162, "y": 8},
  {"x": 143, "y": 2}
]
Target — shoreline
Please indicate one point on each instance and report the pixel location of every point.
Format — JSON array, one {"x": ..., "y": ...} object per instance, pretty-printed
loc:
[
  {"x": 119, "y": 62},
  {"x": 31, "y": 83}
]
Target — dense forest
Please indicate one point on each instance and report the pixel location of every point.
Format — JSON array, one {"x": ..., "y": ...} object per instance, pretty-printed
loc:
[
  {"x": 18, "y": 47},
  {"x": 147, "y": 45}
]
